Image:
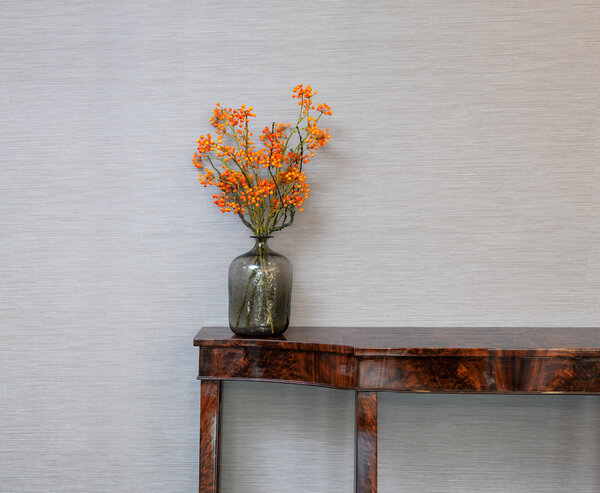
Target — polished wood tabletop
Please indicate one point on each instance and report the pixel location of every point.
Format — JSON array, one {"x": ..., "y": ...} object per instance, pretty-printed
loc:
[{"x": 547, "y": 341}]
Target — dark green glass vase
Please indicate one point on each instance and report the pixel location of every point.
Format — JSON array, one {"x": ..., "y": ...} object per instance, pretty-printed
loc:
[{"x": 260, "y": 292}]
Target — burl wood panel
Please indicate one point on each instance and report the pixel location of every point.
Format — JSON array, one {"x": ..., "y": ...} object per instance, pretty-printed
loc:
[
  {"x": 286, "y": 365},
  {"x": 210, "y": 416},
  {"x": 366, "y": 442},
  {"x": 577, "y": 374},
  {"x": 494, "y": 374},
  {"x": 432, "y": 374},
  {"x": 497, "y": 360}
]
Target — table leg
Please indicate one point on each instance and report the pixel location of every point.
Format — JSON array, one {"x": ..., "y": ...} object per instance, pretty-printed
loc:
[
  {"x": 366, "y": 443},
  {"x": 210, "y": 417}
]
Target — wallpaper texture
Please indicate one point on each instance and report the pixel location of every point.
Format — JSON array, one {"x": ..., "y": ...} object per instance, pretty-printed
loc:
[{"x": 461, "y": 187}]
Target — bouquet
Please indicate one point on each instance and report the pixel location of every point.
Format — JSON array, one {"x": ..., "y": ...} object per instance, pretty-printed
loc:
[{"x": 263, "y": 186}]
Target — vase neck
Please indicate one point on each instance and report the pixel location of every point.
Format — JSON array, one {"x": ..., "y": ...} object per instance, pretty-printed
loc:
[{"x": 260, "y": 242}]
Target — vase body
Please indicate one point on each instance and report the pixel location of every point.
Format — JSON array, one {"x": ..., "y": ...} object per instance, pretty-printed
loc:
[{"x": 260, "y": 292}]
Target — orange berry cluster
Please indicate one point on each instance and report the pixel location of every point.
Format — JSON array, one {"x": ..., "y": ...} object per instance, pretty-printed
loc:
[{"x": 264, "y": 186}]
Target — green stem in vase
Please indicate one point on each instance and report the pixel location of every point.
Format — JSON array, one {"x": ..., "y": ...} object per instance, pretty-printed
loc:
[
  {"x": 243, "y": 303},
  {"x": 263, "y": 266},
  {"x": 251, "y": 304}
]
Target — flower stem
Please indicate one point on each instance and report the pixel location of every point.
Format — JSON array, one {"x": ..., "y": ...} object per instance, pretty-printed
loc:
[
  {"x": 263, "y": 266},
  {"x": 243, "y": 303}
]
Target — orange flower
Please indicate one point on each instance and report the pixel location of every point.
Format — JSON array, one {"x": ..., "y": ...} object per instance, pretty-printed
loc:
[{"x": 265, "y": 186}]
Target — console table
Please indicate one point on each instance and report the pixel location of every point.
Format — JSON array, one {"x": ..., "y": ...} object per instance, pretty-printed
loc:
[{"x": 370, "y": 360}]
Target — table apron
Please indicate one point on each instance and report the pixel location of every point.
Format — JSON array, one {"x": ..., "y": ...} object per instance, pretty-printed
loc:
[{"x": 406, "y": 373}]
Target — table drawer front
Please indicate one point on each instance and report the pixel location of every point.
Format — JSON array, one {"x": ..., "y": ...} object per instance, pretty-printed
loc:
[
  {"x": 424, "y": 374},
  {"x": 480, "y": 374},
  {"x": 540, "y": 374},
  {"x": 259, "y": 363}
]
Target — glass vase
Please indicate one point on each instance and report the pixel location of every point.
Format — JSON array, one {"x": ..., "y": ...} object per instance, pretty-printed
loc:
[{"x": 260, "y": 292}]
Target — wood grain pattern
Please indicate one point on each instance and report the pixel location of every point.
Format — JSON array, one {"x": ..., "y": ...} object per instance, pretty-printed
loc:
[
  {"x": 499, "y": 360},
  {"x": 366, "y": 443},
  {"x": 285, "y": 365},
  {"x": 210, "y": 417},
  {"x": 419, "y": 341}
]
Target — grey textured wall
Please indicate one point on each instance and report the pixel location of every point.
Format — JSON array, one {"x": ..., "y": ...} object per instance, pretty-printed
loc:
[{"x": 461, "y": 187}]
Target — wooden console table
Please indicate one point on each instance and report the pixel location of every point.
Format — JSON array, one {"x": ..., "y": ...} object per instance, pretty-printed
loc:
[{"x": 370, "y": 360}]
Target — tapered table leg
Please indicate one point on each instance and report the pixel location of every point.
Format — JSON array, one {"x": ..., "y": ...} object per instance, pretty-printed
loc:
[
  {"x": 366, "y": 443},
  {"x": 210, "y": 417}
]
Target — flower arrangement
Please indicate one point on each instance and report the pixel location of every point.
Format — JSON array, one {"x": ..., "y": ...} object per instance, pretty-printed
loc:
[{"x": 263, "y": 186}]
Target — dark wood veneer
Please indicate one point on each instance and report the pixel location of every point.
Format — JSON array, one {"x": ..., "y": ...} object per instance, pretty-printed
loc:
[
  {"x": 366, "y": 442},
  {"x": 368, "y": 360},
  {"x": 210, "y": 434},
  {"x": 272, "y": 364},
  {"x": 495, "y": 360},
  {"x": 414, "y": 340}
]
